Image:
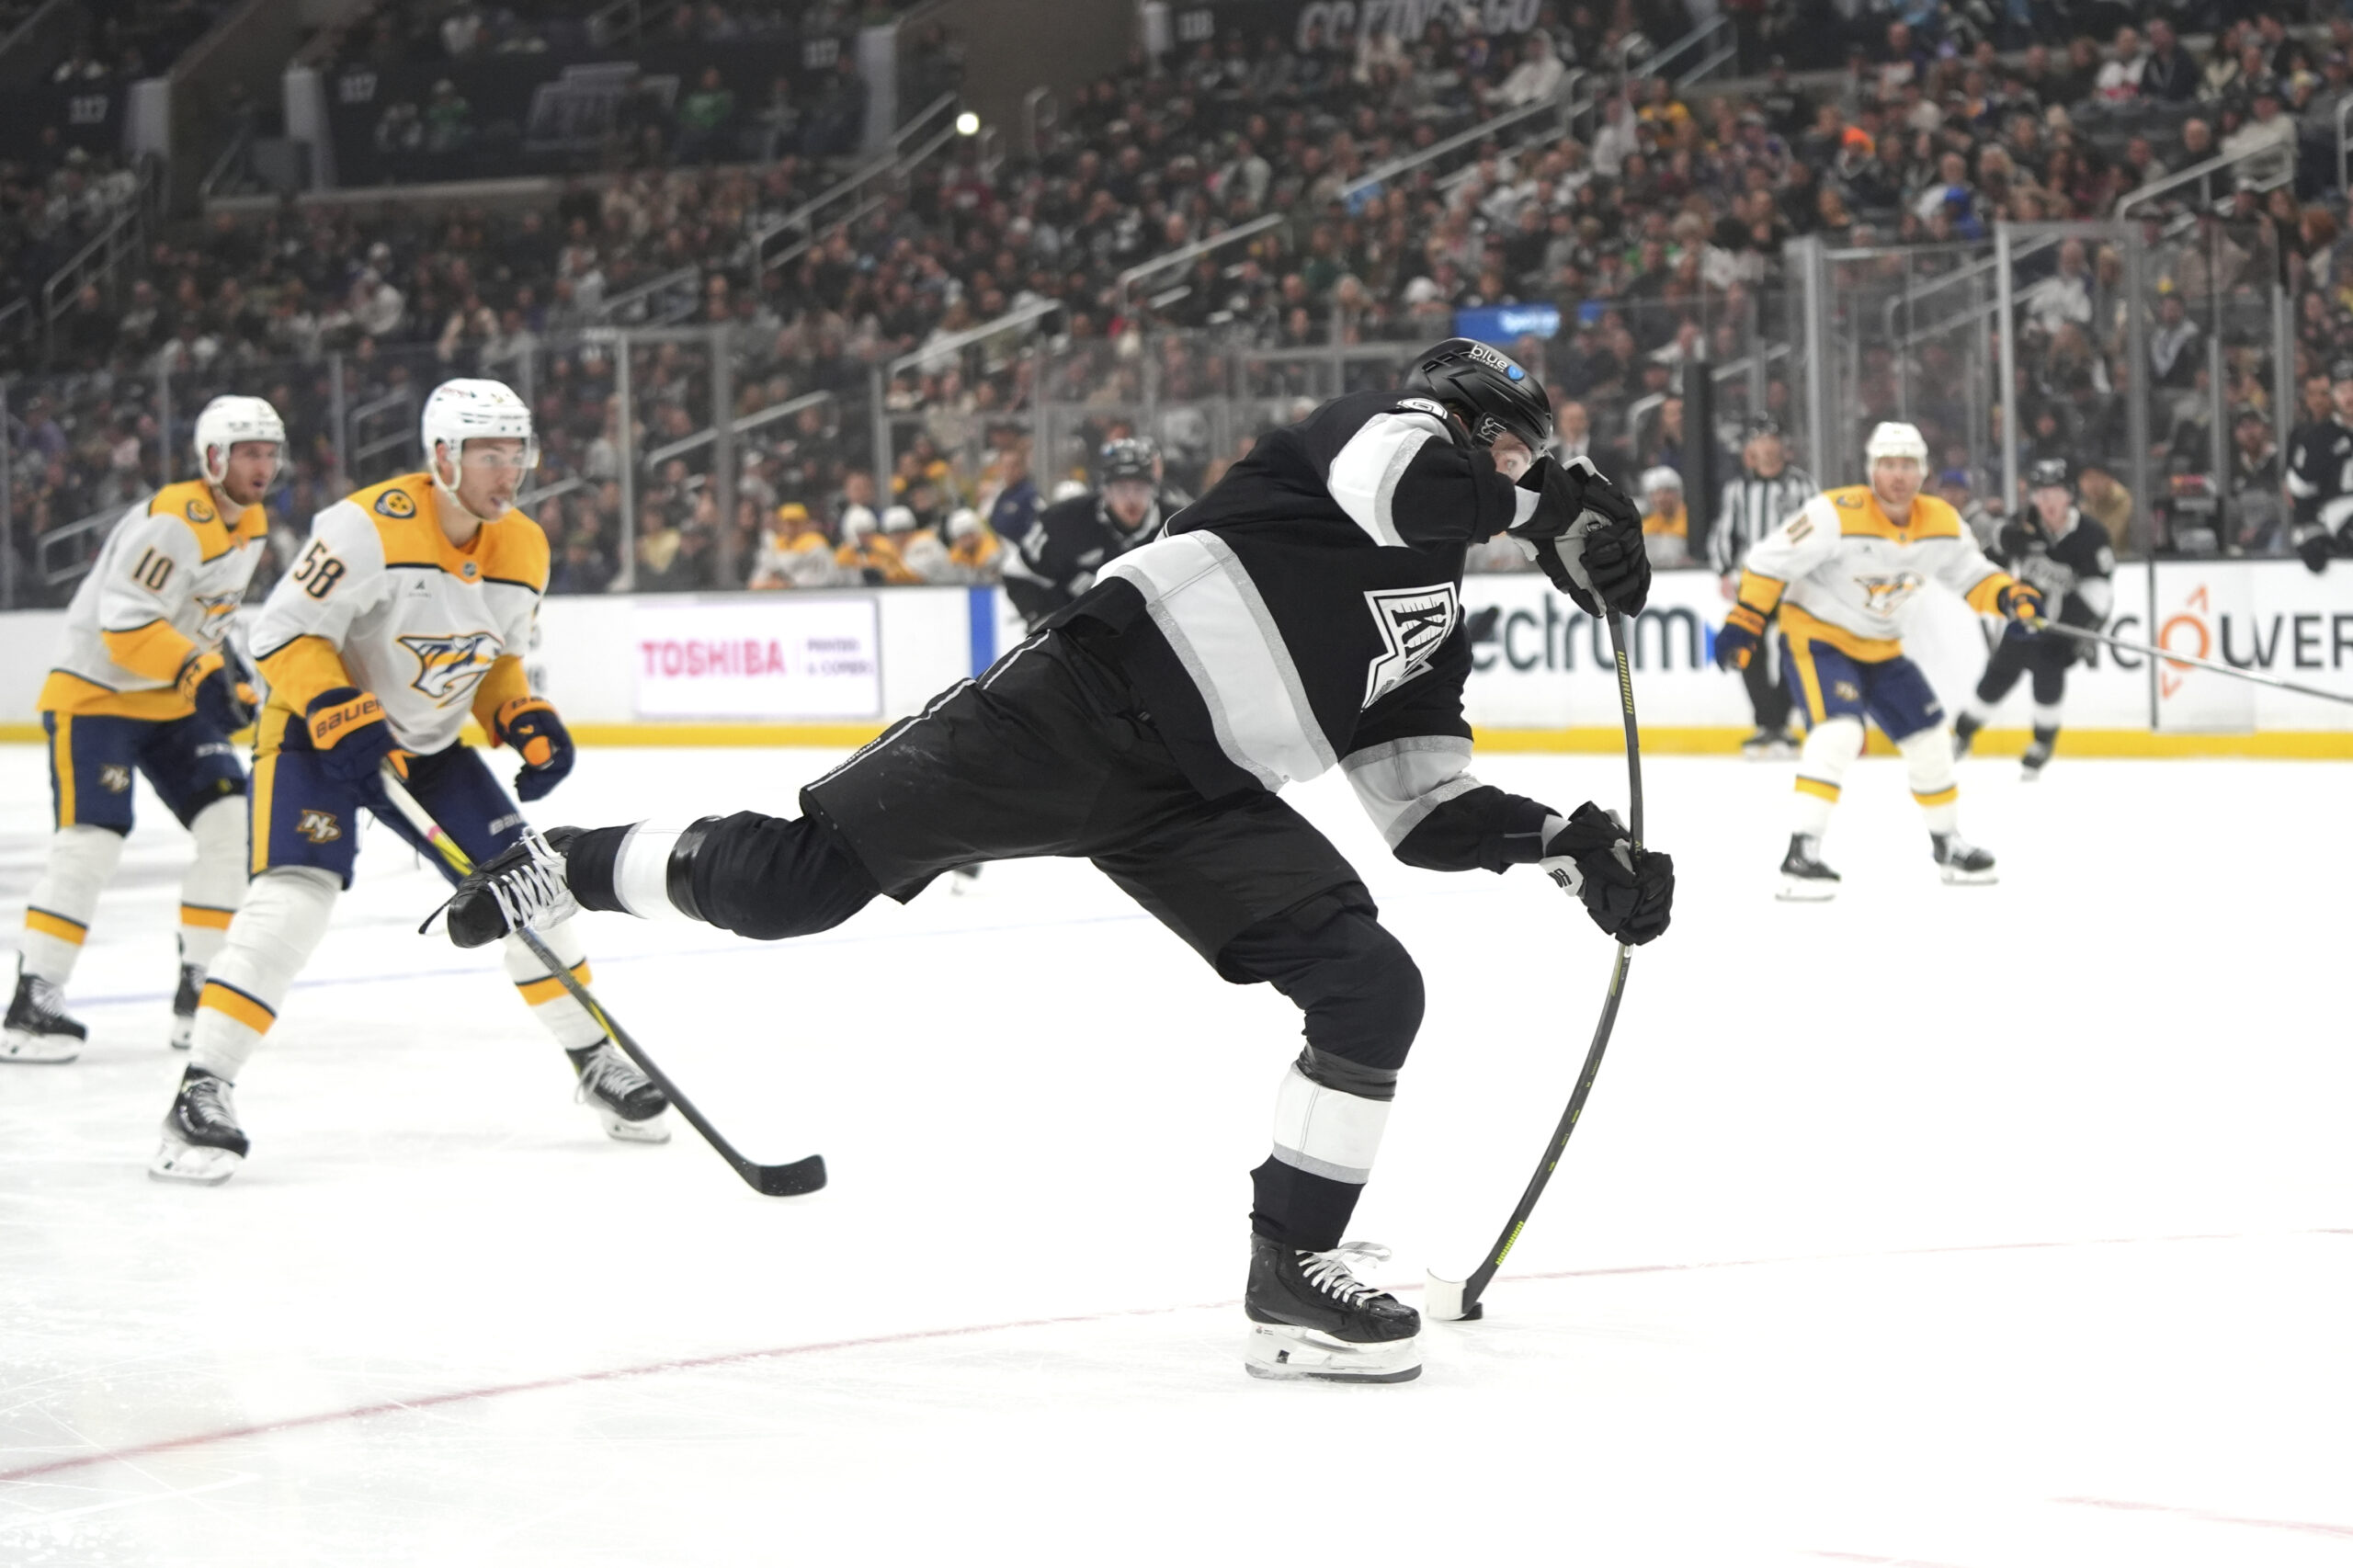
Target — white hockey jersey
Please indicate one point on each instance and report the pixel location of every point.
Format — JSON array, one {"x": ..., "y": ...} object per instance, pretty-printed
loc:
[
  {"x": 167, "y": 583},
  {"x": 1840, "y": 562},
  {"x": 381, "y": 600}
]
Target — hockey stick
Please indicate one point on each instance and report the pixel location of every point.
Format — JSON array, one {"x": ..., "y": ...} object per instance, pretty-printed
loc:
[
  {"x": 2087, "y": 635},
  {"x": 1456, "y": 1300},
  {"x": 771, "y": 1181}
]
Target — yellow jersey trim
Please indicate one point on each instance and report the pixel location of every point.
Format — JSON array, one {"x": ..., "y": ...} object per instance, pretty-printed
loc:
[
  {"x": 509, "y": 549},
  {"x": 1800, "y": 626},
  {"x": 1859, "y": 514},
  {"x": 193, "y": 503}
]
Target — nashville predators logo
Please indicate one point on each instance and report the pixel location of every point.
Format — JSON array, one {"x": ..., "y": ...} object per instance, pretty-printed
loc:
[
  {"x": 197, "y": 512},
  {"x": 217, "y": 609},
  {"x": 1846, "y": 691},
  {"x": 1413, "y": 623},
  {"x": 395, "y": 504},
  {"x": 319, "y": 827},
  {"x": 114, "y": 776},
  {"x": 449, "y": 667},
  {"x": 1887, "y": 594}
]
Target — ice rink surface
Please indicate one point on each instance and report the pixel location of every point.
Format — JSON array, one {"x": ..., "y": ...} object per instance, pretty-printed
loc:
[{"x": 1975, "y": 1228}]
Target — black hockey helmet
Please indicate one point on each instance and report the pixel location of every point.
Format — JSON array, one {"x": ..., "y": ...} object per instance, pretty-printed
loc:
[
  {"x": 1763, "y": 425},
  {"x": 1130, "y": 457},
  {"x": 1487, "y": 387},
  {"x": 2051, "y": 474}
]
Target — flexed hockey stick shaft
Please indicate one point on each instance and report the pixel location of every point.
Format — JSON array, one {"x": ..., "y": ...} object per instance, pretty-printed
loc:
[
  {"x": 771, "y": 1181},
  {"x": 2084, "y": 634},
  {"x": 1443, "y": 1299}
]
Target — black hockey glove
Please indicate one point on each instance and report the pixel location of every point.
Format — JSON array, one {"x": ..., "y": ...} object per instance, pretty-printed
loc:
[
  {"x": 2313, "y": 547},
  {"x": 530, "y": 724},
  {"x": 1628, "y": 891},
  {"x": 1587, "y": 534}
]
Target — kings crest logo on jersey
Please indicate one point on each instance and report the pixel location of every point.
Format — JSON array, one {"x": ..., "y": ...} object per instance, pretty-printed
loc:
[
  {"x": 1412, "y": 622},
  {"x": 319, "y": 827},
  {"x": 114, "y": 776},
  {"x": 449, "y": 667},
  {"x": 395, "y": 504}
]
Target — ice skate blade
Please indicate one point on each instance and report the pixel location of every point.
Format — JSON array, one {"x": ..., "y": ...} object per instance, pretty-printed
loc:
[
  {"x": 37, "y": 1050},
  {"x": 1958, "y": 878},
  {"x": 1806, "y": 890},
  {"x": 654, "y": 1129},
  {"x": 193, "y": 1165},
  {"x": 1280, "y": 1353}
]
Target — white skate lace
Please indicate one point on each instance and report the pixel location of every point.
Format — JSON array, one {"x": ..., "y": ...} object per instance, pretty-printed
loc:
[
  {"x": 529, "y": 889},
  {"x": 208, "y": 1105},
  {"x": 1329, "y": 1271},
  {"x": 48, "y": 1003},
  {"x": 611, "y": 1076}
]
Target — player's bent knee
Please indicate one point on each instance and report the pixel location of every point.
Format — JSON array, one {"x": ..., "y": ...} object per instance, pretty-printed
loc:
[
  {"x": 769, "y": 878},
  {"x": 1836, "y": 741},
  {"x": 1360, "y": 990}
]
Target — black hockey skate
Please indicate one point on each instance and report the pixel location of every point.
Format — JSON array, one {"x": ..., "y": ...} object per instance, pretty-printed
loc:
[
  {"x": 2037, "y": 757},
  {"x": 202, "y": 1143},
  {"x": 1769, "y": 745},
  {"x": 1804, "y": 879},
  {"x": 1965, "y": 732},
  {"x": 37, "y": 1027},
  {"x": 184, "y": 1006},
  {"x": 624, "y": 1099},
  {"x": 1961, "y": 863},
  {"x": 1315, "y": 1319},
  {"x": 523, "y": 886}
]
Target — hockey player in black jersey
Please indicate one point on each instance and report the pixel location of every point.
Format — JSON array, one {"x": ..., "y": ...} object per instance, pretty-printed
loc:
[
  {"x": 1306, "y": 614},
  {"x": 2067, "y": 557},
  {"x": 1066, "y": 549},
  {"x": 2320, "y": 476}
]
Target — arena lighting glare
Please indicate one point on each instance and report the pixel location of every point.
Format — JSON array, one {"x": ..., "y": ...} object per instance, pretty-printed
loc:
[{"x": 968, "y": 124}]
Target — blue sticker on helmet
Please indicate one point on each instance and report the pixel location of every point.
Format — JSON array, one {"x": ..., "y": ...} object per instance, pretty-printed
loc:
[{"x": 1517, "y": 373}]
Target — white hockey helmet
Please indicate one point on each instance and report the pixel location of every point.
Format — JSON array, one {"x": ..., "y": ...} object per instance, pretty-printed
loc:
[
  {"x": 1068, "y": 490},
  {"x": 227, "y": 421},
  {"x": 467, "y": 410},
  {"x": 857, "y": 522},
  {"x": 963, "y": 523},
  {"x": 1892, "y": 439},
  {"x": 898, "y": 520},
  {"x": 1661, "y": 478}
]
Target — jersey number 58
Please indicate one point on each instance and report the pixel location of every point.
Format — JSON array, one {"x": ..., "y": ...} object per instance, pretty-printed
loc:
[{"x": 318, "y": 571}]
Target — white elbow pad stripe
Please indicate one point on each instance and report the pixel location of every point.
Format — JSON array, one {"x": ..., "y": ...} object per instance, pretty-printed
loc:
[
  {"x": 1401, "y": 782},
  {"x": 2333, "y": 514},
  {"x": 1327, "y": 1133},
  {"x": 1363, "y": 479}
]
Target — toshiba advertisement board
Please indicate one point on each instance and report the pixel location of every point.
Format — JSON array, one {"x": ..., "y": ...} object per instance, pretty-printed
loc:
[{"x": 783, "y": 657}]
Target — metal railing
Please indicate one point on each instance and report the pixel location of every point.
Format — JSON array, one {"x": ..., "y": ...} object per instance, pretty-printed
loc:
[
  {"x": 2344, "y": 112},
  {"x": 1559, "y": 103},
  {"x": 894, "y": 161},
  {"x": 616, "y": 24},
  {"x": 644, "y": 305},
  {"x": 85, "y": 535},
  {"x": 124, "y": 236},
  {"x": 659, "y": 455},
  {"x": 2284, "y": 153},
  {"x": 225, "y": 165},
  {"x": 1716, "y": 42}
]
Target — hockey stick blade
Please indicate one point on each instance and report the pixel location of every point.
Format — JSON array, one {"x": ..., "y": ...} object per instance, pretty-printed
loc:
[
  {"x": 1456, "y": 1300},
  {"x": 793, "y": 1180}
]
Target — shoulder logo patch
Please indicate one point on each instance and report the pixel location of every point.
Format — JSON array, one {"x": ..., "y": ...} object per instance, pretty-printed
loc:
[
  {"x": 1852, "y": 503},
  {"x": 197, "y": 512},
  {"x": 449, "y": 667},
  {"x": 395, "y": 504},
  {"x": 1413, "y": 623}
]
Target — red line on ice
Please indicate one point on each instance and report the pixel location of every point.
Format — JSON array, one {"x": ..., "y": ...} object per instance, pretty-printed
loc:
[{"x": 737, "y": 1357}]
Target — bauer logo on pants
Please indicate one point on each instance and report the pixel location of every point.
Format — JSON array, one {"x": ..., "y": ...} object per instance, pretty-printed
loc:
[{"x": 319, "y": 827}]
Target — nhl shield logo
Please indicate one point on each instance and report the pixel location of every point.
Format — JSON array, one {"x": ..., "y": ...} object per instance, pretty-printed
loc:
[
  {"x": 449, "y": 667},
  {"x": 318, "y": 826},
  {"x": 114, "y": 776},
  {"x": 1413, "y": 623}
]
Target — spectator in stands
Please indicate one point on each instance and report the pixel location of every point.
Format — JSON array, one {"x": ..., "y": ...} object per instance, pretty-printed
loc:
[
  {"x": 2169, "y": 75},
  {"x": 705, "y": 120},
  {"x": 1666, "y": 522}
]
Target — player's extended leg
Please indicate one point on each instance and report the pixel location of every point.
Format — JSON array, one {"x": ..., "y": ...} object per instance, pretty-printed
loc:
[
  {"x": 2002, "y": 668},
  {"x": 1904, "y": 705},
  {"x": 458, "y": 787},
  {"x": 1770, "y": 699},
  {"x": 1827, "y": 685},
  {"x": 195, "y": 772},
  {"x": 1362, "y": 998},
  {"x": 2049, "y": 656},
  {"x": 89, "y": 776}
]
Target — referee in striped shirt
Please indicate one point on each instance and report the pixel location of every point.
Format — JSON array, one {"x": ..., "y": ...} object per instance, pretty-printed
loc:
[{"x": 1756, "y": 502}]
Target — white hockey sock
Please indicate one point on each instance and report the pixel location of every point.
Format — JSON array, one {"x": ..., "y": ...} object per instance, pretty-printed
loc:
[
  {"x": 2046, "y": 718},
  {"x": 1324, "y": 1131},
  {"x": 641, "y": 868},
  {"x": 275, "y": 931},
  {"x": 550, "y": 1002},
  {"x": 57, "y": 915},
  {"x": 215, "y": 883},
  {"x": 1830, "y": 749},
  {"x": 1977, "y": 712},
  {"x": 1928, "y": 754}
]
